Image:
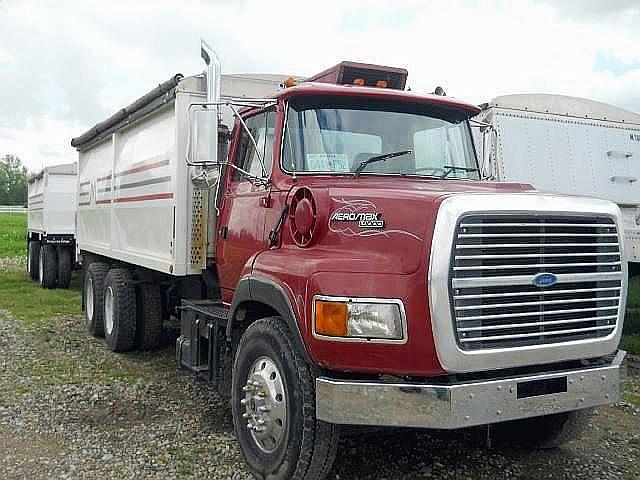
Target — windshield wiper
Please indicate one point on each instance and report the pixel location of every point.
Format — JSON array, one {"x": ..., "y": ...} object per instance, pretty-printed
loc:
[
  {"x": 380, "y": 158},
  {"x": 451, "y": 168}
]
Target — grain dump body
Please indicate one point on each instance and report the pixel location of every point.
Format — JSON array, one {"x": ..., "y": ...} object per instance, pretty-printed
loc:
[
  {"x": 136, "y": 200},
  {"x": 51, "y": 224},
  {"x": 568, "y": 145}
]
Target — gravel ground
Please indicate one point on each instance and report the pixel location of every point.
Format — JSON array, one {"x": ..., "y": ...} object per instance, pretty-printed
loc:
[{"x": 71, "y": 409}]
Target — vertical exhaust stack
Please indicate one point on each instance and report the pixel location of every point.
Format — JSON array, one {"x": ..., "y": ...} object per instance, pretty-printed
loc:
[{"x": 210, "y": 58}]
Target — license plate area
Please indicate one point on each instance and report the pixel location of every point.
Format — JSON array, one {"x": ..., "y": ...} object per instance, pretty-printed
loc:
[{"x": 537, "y": 388}]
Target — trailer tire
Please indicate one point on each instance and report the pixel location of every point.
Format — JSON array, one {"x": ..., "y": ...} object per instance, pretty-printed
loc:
[
  {"x": 93, "y": 293},
  {"x": 119, "y": 310},
  {"x": 148, "y": 317},
  {"x": 292, "y": 443},
  {"x": 546, "y": 432},
  {"x": 48, "y": 266},
  {"x": 33, "y": 254},
  {"x": 64, "y": 267}
]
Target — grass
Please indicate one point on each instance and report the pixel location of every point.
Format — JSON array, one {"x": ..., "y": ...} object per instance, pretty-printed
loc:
[
  {"x": 13, "y": 234},
  {"x": 34, "y": 305}
]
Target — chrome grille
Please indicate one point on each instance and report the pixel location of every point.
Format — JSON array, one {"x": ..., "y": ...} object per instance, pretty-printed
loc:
[{"x": 495, "y": 259}]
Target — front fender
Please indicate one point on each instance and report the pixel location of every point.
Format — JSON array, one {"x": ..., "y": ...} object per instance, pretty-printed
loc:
[{"x": 271, "y": 293}]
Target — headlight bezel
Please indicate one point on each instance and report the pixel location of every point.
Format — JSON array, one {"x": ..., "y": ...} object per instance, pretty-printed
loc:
[{"x": 361, "y": 300}]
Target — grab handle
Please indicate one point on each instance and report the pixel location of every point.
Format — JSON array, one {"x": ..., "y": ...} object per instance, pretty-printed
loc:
[{"x": 619, "y": 154}]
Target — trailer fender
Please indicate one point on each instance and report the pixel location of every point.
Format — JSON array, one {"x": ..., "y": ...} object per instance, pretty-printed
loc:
[{"x": 267, "y": 292}]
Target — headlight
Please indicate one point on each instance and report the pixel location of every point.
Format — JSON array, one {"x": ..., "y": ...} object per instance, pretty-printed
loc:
[{"x": 355, "y": 318}]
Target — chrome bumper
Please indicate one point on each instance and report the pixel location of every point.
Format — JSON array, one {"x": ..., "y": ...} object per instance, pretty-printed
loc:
[{"x": 458, "y": 405}]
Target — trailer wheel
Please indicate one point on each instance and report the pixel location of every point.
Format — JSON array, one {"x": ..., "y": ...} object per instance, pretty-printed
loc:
[
  {"x": 48, "y": 266},
  {"x": 64, "y": 267},
  {"x": 93, "y": 292},
  {"x": 119, "y": 310},
  {"x": 273, "y": 402},
  {"x": 546, "y": 432},
  {"x": 33, "y": 259},
  {"x": 149, "y": 316}
]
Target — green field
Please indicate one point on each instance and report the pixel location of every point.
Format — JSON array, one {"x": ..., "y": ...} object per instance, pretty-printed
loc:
[
  {"x": 18, "y": 294},
  {"x": 13, "y": 234},
  {"x": 27, "y": 300}
]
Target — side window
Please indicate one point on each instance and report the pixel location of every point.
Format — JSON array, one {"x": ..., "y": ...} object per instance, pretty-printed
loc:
[{"x": 262, "y": 127}]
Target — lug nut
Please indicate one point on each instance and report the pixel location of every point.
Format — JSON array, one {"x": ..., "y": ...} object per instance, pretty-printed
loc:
[
  {"x": 243, "y": 401},
  {"x": 262, "y": 394},
  {"x": 263, "y": 408},
  {"x": 246, "y": 415}
]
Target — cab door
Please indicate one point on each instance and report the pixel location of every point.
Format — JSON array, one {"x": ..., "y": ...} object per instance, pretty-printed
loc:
[{"x": 241, "y": 229}]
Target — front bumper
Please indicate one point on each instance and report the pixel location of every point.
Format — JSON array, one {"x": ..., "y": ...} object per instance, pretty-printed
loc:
[{"x": 457, "y": 405}]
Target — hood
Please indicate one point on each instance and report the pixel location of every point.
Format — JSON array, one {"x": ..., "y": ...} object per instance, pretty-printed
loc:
[{"x": 380, "y": 224}]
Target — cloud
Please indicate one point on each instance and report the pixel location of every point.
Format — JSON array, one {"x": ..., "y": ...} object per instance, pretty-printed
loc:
[{"x": 67, "y": 65}]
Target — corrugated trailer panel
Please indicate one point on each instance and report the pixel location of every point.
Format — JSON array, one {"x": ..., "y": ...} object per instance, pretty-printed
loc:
[{"x": 570, "y": 156}]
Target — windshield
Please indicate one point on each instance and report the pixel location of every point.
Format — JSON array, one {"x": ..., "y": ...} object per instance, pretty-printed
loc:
[{"x": 337, "y": 138}]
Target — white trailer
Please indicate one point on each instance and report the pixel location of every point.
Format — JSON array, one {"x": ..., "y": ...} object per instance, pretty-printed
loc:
[
  {"x": 51, "y": 225},
  {"x": 568, "y": 145}
]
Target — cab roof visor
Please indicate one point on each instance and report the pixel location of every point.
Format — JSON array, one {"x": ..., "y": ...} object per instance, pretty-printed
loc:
[{"x": 345, "y": 73}]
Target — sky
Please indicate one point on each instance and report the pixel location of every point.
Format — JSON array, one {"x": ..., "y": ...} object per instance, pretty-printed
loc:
[{"x": 66, "y": 65}]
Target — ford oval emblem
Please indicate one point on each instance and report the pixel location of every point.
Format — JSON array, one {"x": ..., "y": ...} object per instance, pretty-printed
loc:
[{"x": 544, "y": 279}]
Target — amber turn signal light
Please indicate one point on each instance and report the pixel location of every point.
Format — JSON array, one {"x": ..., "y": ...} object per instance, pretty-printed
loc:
[
  {"x": 381, "y": 84},
  {"x": 290, "y": 82},
  {"x": 331, "y": 318},
  {"x": 359, "y": 82}
]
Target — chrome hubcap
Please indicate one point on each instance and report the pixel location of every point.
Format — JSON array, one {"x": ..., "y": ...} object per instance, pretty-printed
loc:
[
  {"x": 89, "y": 299},
  {"x": 108, "y": 310},
  {"x": 264, "y": 402}
]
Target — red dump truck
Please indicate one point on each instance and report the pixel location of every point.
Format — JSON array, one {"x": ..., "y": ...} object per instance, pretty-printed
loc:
[{"x": 334, "y": 258}]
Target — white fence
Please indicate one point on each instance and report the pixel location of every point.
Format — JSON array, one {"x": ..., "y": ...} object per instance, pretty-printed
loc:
[{"x": 12, "y": 209}]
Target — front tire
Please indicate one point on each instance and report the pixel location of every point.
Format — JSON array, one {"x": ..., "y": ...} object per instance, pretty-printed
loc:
[
  {"x": 547, "y": 432},
  {"x": 273, "y": 402},
  {"x": 33, "y": 259},
  {"x": 48, "y": 267},
  {"x": 119, "y": 310},
  {"x": 64, "y": 267}
]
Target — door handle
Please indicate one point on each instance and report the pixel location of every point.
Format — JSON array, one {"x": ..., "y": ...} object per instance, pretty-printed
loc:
[{"x": 224, "y": 231}]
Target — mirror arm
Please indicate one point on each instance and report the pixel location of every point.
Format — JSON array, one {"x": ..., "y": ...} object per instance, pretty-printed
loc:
[
  {"x": 251, "y": 137},
  {"x": 255, "y": 180}
]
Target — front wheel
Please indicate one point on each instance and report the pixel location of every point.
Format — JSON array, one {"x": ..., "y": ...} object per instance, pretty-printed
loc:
[{"x": 273, "y": 401}]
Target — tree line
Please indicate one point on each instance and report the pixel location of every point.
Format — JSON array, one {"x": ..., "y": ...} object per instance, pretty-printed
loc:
[{"x": 13, "y": 181}]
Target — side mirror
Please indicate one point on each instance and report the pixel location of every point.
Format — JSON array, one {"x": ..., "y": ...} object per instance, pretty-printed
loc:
[{"x": 203, "y": 135}]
